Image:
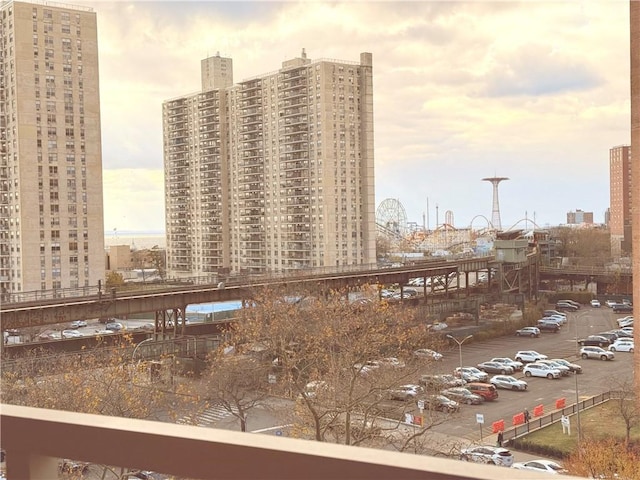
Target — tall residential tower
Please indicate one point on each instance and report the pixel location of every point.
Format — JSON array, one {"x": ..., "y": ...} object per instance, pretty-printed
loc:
[
  {"x": 275, "y": 173},
  {"x": 51, "y": 213},
  {"x": 620, "y": 200}
]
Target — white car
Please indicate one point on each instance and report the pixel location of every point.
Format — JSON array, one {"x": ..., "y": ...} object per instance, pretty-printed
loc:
[
  {"x": 71, "y": 334},
  {"x": 391, "y": 362},
  {"x": 428, "y": 353},
  {"x": 541, "y": 370},
  {"x": 507, "y": 361},
  {"x": 610, "y": 303},
  {"x": 562, "y": 319},
  {"x": 621, "y": 345},
  {"x": 508, "y": 382},
  {"x": 78, "y": 324},
  {"x": 528, "y": 356},
  {"x": 487, "y": 454},
  {"x": 596, "y": 352},
  {"x": 546, "y": 466},
  {"x": 405, "y": 392},
  {"x": 471, "y": 374},
  {"x": 564, "y": 370},
  {"x": 625, "y": 322},
  {"x": 595, "y": 303}
]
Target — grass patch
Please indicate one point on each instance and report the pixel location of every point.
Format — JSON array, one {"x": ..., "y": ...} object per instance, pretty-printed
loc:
[{"x": 602, "y": 421}]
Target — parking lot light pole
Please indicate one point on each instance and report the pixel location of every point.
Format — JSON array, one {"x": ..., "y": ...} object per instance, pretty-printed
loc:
[{"x": 460, "y": 342}]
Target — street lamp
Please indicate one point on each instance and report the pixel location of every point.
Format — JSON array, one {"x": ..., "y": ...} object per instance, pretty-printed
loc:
[
  {"x": 460, "y": 342},
  {"x": 578, "y": 317},
  {"x": 133, "y": 354}
]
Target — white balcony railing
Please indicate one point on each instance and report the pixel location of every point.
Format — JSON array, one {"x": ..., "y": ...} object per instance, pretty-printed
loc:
[{"x": 34, "y": 439}]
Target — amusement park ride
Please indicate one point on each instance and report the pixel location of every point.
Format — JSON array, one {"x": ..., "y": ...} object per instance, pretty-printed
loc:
[{"x": 392, "y": 224}]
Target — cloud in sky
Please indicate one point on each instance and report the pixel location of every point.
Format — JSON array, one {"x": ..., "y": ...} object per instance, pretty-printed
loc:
[{"x": 534, "y": 91}]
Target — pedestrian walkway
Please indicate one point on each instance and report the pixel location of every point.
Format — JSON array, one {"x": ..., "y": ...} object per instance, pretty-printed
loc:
[{"x": 208, "y": 417}]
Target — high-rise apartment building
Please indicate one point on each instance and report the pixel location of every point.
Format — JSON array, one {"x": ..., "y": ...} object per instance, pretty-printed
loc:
[
  {"x": 579, "y": 217},
  {"x": 620, "y": 199},
  {"x": 274, "y": 173},
  {"x": 51, "y": 213}
]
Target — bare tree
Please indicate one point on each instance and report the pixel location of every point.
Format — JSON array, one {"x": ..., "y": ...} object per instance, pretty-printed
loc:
[
  {"x": 627, "y": 405},
  {"x": 329, "y": 354},
  {"x": 236, "y": 382}
]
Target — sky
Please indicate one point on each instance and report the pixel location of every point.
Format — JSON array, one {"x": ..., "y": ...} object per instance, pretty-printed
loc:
[{"x": 534, "y": 91}]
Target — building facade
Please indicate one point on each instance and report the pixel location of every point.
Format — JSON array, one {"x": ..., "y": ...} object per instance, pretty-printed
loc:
[
  {"x": 620, "y": 199},
  {"x": 634, "y": 43},
  {"x": 579, "y": 217},
  {"x": 51, "y": 211},
  {"x": 275, "y": 173}
]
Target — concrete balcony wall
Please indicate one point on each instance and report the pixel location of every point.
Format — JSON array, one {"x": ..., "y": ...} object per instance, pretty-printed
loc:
[{"x": 34, "y": 439}]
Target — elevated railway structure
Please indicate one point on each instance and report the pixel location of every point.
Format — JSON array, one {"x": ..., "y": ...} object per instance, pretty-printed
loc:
[
  {"x": 620, "y": 279},
  {"x": 170, "y": 302}
]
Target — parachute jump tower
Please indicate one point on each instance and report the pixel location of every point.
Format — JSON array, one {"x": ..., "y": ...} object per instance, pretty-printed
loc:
[{"x": 495, "y": 211}]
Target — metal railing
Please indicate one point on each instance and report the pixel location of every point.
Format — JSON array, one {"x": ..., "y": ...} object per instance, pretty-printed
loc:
[{"x": 536, "y": 423}]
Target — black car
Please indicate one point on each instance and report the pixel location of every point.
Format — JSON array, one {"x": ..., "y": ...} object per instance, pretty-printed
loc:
[
  {"x": 611, "y": 336},
  {"x": 622, "y": 308},
  {"x": 567, "y": 307},
  {"x": 441, "y": 403},
  {"x": 594, "y": 341}
]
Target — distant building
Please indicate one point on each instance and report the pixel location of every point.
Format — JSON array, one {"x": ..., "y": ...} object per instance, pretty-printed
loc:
[
  {"x": 51, "y": 205},
  {"x": 579, "y": 217},
  {"x": 275, "y": 173},
  {"x": 119, "y": 258},
  {"x": 620, "y": 199}
]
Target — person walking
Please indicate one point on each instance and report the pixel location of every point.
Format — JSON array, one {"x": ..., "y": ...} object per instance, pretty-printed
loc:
[
  {"x": 527, "y": 415},
  {"x": 500, "y": 438}
]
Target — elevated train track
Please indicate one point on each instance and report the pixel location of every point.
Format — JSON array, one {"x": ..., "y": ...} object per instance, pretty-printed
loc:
[{"x": 48, "y": 311}]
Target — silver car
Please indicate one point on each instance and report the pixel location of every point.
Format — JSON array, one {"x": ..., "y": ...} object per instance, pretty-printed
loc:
[
  {"x": 487, "y": 454},
  {"x": 596, "y": 352},
  {"x": 508, "y": 382}
]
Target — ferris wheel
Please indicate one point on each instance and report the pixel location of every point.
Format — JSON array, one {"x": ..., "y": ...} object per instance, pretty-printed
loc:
[{"x": 392, "y": 217}]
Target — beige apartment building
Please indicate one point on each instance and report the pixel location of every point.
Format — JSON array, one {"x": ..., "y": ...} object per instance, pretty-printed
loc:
[
  {"x": 620, "y": 200},
  {"x": 51, "y": 211},
  {"x": 275, "y": 173}
]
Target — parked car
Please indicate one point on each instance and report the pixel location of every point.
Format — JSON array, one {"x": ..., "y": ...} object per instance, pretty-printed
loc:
[
  {"x": 561, "y": 319},
  {"x": 625, "y": 322},
  {"x": 610, "y": 303},
  {"x": 622, "y": 308},
  {"x": 495, "y": 367},
  {"x": 405, "y": 392},
  {"x": 566, "y": 307},
  {"x": 391, "y": 362},
  {"x": 428, "y": 354},
  {"x": 594, "y": 340},
  {"x": 487, "y": 454},
  {"x": 573, "y": 367},
  {"x": 474, "y": 374},
  {"x": 564, "y": 370},
  {"x": 527, "y": 356},
  {"x": 507, "y": 361},
  {"x": 541, "y": 370},
  {"x": 546, "y": 466},
  {"x": 441, "y": 403},
  {"x": 548, "y": 313},
  {"x": 528, "y": 332},
  {"x": 78, "y": 324},
  {"x": 462, "y": 395},
  {"x": 487, "y": 391},
  {"x": 548, "y": 325},
  {"x": 438, "y": 382},
  {"x": 612, "y": 337},
  {"x": 570, "y": 302},
  {"x": 114, "y": 326},
  {"x": 595, "y": 303},
  {"x": 623, "y": 333},
  {"x": 621, "y": 346},
  {"x": 508, "y": 382},
  {"x": 596, "y": 352}
]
